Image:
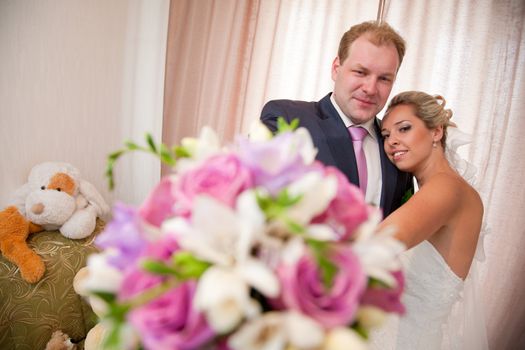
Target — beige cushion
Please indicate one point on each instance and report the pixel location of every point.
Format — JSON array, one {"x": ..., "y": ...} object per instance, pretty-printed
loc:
[{"x": 30, "y": 313}]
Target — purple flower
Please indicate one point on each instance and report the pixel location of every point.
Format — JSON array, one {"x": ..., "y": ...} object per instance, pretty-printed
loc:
[
  {"x": 137, "y": 280},
  {"x": 124, "y": 235},
  {"x": 222, "y": 177},
  {"x": 274, "y": 163},
  {"x": 387, "y": 299},
  {"x": 303, "y": 288},
  {"x": 347, "y": 210},
  {"x": 170, "y": 322},
  {"x": 159, "y": 204}
]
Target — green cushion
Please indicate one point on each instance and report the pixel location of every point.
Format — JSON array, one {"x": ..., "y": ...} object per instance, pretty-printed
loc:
[{"x": 30, "y": 313}]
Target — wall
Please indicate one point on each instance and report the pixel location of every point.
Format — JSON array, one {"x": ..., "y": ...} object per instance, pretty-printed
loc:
[{"x": 77, "y": 79}]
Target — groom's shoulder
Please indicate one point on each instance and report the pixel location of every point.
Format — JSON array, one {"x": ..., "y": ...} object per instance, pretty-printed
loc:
[{"x": 299, "y": 108}]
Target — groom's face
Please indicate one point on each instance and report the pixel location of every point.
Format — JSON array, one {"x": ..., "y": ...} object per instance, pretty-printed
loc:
[{"x": 363, "y": 81}]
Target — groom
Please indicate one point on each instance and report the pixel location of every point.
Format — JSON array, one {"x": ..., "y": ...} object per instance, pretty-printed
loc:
[{"x": 343, "y": 124}]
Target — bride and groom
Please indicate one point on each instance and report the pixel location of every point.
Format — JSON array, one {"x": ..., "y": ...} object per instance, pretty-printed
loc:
[{"x": 440, "y": 224}]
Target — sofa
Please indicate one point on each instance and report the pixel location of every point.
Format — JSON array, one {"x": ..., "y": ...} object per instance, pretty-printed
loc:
[{"x": 30, "y": 313}]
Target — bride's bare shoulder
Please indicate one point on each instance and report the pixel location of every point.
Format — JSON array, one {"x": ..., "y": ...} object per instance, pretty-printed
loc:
[{"x": 452, "y": 187}]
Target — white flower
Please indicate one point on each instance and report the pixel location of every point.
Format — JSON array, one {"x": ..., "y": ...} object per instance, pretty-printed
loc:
[
  {"x": 259, "y": 132},
  {"x": 225, "y": 299},
  {"x": 102, "y": 276},
  {"x": 276, "y": 330},
  {"x": 303, "y": 332},
  {"x": 307, "y": 149},
  {"x": 225, "y": 237},
  {"x": 342, "y": 338},
  {"x": 206, "y": 145},
  {"x": 371, "y": 316},
  {"x": 263, "y": 333},
  {"x": 378, "y": 251},
  {"x": 217, "y": 233},
  {"x": 201, "y": 148},
  {"x": 316, "y": 191}
]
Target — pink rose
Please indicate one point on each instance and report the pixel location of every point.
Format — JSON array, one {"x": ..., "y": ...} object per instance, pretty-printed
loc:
[
  {"x": 303, "y": 288},
  {"x": 347, "y": 210},
  {"x": 170, "y": 322},
  {"x": 159, "y": 204},
  {"x": 387, "y": 299},
  {"x": 222, "y": 177}
]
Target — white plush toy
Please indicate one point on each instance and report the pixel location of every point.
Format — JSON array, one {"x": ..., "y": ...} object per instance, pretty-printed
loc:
[{"x": 56, "y": 197}]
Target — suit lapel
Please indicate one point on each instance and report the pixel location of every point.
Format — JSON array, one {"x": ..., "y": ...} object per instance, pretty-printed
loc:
[{"x": 338, "y": 140}]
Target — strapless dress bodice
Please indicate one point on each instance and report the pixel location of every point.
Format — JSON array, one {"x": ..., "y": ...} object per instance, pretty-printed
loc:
[{"x": 431, "y": 290}]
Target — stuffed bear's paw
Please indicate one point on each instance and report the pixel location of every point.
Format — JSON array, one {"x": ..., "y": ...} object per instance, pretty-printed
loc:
[
  {"x": 81, "y": 224},
  {"x": 33, "y": 270}
]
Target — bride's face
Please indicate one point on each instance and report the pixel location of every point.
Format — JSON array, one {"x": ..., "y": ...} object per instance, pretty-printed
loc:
[{"x": 407, "y": 140}]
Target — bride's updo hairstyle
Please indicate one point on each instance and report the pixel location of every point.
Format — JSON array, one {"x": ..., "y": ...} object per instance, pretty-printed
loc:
[{"x": 430, "y": 109}]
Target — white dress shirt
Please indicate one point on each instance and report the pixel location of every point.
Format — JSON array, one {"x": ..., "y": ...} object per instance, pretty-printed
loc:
[{"x": 373, "y": 161}]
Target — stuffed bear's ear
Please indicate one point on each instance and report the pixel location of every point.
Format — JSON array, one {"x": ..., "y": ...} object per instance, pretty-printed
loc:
[
  {"x": 94, "y": 198},
  {"x": 18, "y": 198}
]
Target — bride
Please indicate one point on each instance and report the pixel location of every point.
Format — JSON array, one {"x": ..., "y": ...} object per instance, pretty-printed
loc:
[{"x": 440, "y": 225}]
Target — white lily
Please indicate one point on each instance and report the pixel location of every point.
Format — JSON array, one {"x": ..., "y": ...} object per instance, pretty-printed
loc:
[
  {"x": 224, "y": 298},
  {"x": 303, "y": 332},
  {"x": 276, "y": 330},
  {"x": 204, "y": 146},
  {"x": 263, "y": 333},
  {"x": 342, "y": 338},
  {"x": 201, "y": 148},
  {"x": 378, "y": 251},
  {"x": 259, "y": 132},
  {"x": 371, "y": 316},
  {"x": 316, "y": 191},
  {"x": 225, "y": 237},
  {"x": 102, "y": 276}
]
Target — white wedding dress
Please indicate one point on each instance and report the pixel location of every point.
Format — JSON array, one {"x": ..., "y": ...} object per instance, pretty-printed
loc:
[{"x": 442, "y": 310}]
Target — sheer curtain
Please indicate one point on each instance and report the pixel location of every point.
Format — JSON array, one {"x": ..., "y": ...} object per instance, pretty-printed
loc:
[{"x": 226, "y": 58}]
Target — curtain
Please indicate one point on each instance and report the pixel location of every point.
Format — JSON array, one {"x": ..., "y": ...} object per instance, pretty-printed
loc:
[{"x": 226, "y": 58}]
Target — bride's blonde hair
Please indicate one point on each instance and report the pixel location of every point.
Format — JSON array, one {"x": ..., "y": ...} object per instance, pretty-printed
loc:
[{"x": 430, "y": 109}]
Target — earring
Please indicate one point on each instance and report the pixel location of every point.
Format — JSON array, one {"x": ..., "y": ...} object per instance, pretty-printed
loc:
[{"x": 434, "y": 144}]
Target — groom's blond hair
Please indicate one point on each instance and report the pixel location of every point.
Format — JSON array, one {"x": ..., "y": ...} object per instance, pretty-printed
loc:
[{"x": 378, "y": 33}]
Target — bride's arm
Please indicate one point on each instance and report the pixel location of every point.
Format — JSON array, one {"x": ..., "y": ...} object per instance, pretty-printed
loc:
[{"x": 426, "y": 211}]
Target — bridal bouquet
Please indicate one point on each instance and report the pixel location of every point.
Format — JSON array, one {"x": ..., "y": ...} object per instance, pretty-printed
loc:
[{"x": 251, "y": 246}]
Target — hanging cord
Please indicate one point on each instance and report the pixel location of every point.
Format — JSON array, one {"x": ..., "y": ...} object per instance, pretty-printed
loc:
[{"x": 381, "y": 11}]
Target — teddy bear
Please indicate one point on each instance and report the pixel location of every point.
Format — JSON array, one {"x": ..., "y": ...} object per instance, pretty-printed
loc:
[{"x": 54, "y": 197}]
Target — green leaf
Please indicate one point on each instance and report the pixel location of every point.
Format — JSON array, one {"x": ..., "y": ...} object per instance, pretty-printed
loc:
[
  {"x": 151, "y": 143},
  {"x": 188, "y": 266},
  {"x": 407, "y": 196},
  {"x": 166, "y": 155},
  {"x": 106, "y": 296},
  {"x": 181, "y": 152},
  {"x": 326, "y": 266},
  {"x": 283, "y": 126},
  {"x": 375, "y": 283},
  {"x": 362, "y": 331},
  {"x": 131, "y": 146},
  {"x": 158, "y": 267},
  {"x": 114, "y": 156}
]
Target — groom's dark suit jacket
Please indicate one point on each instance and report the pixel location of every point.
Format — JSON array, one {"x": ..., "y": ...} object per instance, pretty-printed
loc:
[{"x": 334, "y": 145}]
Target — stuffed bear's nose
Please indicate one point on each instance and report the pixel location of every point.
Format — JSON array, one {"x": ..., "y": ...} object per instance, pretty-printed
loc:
[{"x": 37, "y": 208}]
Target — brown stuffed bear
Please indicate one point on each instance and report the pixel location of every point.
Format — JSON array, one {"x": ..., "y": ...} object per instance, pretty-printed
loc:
[{"x": 14, "y": 230}]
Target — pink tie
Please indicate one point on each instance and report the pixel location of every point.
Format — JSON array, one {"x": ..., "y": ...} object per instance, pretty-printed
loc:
[{"x": 358, "y": 134}]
